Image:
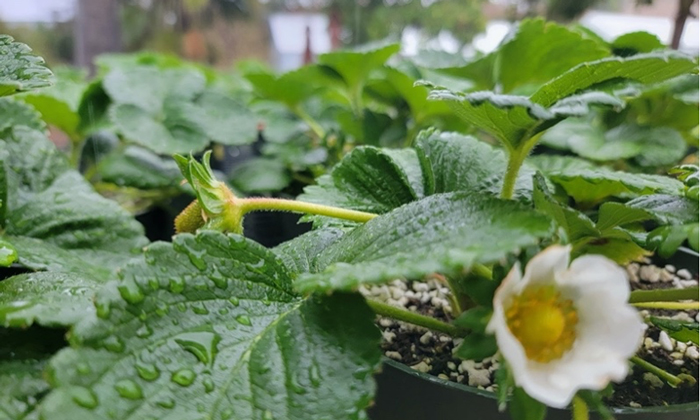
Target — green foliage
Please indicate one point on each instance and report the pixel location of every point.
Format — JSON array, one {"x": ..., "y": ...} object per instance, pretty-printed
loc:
[
  {"x": 444, "y": 233},
  {"x": 20, "y": 70},
  {"x": 222, "y": 324},
  {"x": 679, "y": 330}
]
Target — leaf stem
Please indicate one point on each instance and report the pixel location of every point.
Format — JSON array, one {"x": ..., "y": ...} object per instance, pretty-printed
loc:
[
  {"x": 312, "y": 123},
  {"x": 515, "y": 161},
  {"x": 430, "y": 323},
  {"x": 278, "y": 204},
  {"x": 663, "y": 295},
  {"x": 672, "y": 380},
  {"x": 579, "y": 409},
  {"x": 668, "y": 305}
]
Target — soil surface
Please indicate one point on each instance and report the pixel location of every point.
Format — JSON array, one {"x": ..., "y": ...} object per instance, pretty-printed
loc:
[{"x": 431, "y": 352}]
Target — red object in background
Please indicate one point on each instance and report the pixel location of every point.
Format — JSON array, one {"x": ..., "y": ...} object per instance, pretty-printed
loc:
[{"x": 308, "y": 55}]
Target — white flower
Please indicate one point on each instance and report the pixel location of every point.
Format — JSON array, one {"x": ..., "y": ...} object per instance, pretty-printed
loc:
[{"x": 564, "y": 328}]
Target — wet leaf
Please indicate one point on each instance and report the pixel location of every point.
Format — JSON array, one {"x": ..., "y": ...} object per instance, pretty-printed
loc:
[
  {"x": 208, "y": 327},
  {"x": 299, "y": 254},
  {"x": 20, "y": 70},
  {"x": 444, "y": 233}
]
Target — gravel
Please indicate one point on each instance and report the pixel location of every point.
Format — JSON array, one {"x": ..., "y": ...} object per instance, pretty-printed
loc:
[{"x": 431, "y": 352}]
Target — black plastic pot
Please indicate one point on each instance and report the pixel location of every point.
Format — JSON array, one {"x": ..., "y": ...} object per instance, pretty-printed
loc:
[{"x": 406, "y": 394}]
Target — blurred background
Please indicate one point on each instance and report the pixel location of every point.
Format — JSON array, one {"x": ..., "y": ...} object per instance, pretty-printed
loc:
[{"x": 286, "y": 33}]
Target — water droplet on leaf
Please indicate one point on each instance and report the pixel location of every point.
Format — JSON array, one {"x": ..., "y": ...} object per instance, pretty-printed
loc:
[
  {"x": 244, "y": 320},
  {"x": 184, "y": 377},
  {"x": 147, "y": 372},
  {"x": 131, "y": 292},
  {"x": 201, "y": 344},
  {"x": 129, "y": 389},
  {"x": 84, "y": 397}
]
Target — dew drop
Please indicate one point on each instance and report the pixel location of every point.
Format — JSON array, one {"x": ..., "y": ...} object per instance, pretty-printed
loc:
[
  {"x": 144, "y": 332},
  {"x": 162, "y": 309},
  {"x": 208, "y": 385},
  {"x": 84, "y": 397},
  {"x": 8, "y": 254},
  {"x": 83, "y": 368},
  {"x": 131, "y": 292},
  {"x": 147, "y": 372},
  {"x": 234, "y": 301},
  {"x": 102, "y": 308},
  {"x": 129, "y": 389},
  {"x": 113, "y": 344},
  {"x": 176, "y": 284},
  {"x": 184, "y": 377},
  {"x": 153, "y": 283},
  {"x": 244, "y": 320},
  {"x": 223, "y": 311},
  {"x": 227, "y": 414},
  {"x": 166, "y": 402},
  {"x": 201, "y": 344},
  {"x": 268, "y": 415},
  {"x": 200, "y": 310},
  {"x": 181, "y": 306}
]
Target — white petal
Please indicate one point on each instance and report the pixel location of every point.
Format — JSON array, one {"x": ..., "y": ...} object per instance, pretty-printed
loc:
[
  {"x": 543, "y": 266},
  {"x": 597, "y": 272}
]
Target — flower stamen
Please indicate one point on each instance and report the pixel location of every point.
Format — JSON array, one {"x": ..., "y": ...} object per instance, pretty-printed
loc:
[{"x": 543, "y": 322}]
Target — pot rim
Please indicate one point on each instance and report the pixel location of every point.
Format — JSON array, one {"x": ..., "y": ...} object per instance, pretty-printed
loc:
[{"x": 691, "y": 406}]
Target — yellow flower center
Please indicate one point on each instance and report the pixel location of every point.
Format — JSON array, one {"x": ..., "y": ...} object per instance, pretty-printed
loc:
[{"x": 543, "y": 322}]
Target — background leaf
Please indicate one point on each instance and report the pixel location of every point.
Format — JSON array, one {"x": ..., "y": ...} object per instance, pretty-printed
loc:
[{"x": 20, "y": 70}]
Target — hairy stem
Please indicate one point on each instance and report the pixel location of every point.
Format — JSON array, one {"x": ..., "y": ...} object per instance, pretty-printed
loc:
[
  {"x": 680, "y": 306},
  {"x": 515, "y": 161},
  {"x": 389, "y": 311},
  {"x": 663, "y": 295},
  {"x": 672, "y": 380},
  {"x": 312, "y": 123},
  {"x": 277, "y": 204},
  {"x": 579, "y": 409}
]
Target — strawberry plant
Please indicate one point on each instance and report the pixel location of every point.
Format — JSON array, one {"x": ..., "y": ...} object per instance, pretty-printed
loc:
[{"x": 424, "y": 173}]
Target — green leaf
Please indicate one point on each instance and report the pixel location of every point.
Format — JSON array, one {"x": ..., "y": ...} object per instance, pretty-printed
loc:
[
  {"x": 667, "y": 239},
  {"x": 667, "y": 209},
  {"x": 576, "y": 224},
  {"x": 139, "y": 168},
  {"x": 537, "y": 52},
  {"x": 368, "y": 179},
  {"x": 444, "y": 233},
  {"x": 355, "y": 65},
  {"x": 49, "y": 201},
  {"x": 515, "y": 119},
  {"x": 150, "y": 88},
  {"x": 58, "y": 104},
  {"x": 679, "y": 330},
  {"x": 219, "y": 334},
  {"x": 23, "y": 357},
  {"x": 48, "y": 299},
  {"x": 260, "y": 175},
  {"x": 291, "y": 88},
  {"x": 589, "y": 186},
  {"x": 178, "y": 129},
  {"x": 524, "y": 407},
  {"x": 299, "y": 254},
  {"x": 634, "y": 43},
  {"x": 13, "y": 113},
  {"x": 20, "y": 70},
  {"x": 648, "y": 146},
  {"x": 474, "y": 319},
  {"x": 455, "y": 162},
  {"x": 642, "y": 68},
  {"x": 228, "y": 121},
  {"x": 611, "y": 215},
  {"x": 477, "y": 346}
]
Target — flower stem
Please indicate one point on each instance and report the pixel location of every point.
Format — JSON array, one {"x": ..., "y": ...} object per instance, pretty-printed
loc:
[
  {"x": 312, "y": 123},
  {"x": 668, "y": 305},
  {"x": 579, "y": 409},
  {"x": 384, "y": 309},
  {"x": 672, "y": 380},
  {"x": 663, "y": 295},
  {"x": 260, "y": 203}
]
